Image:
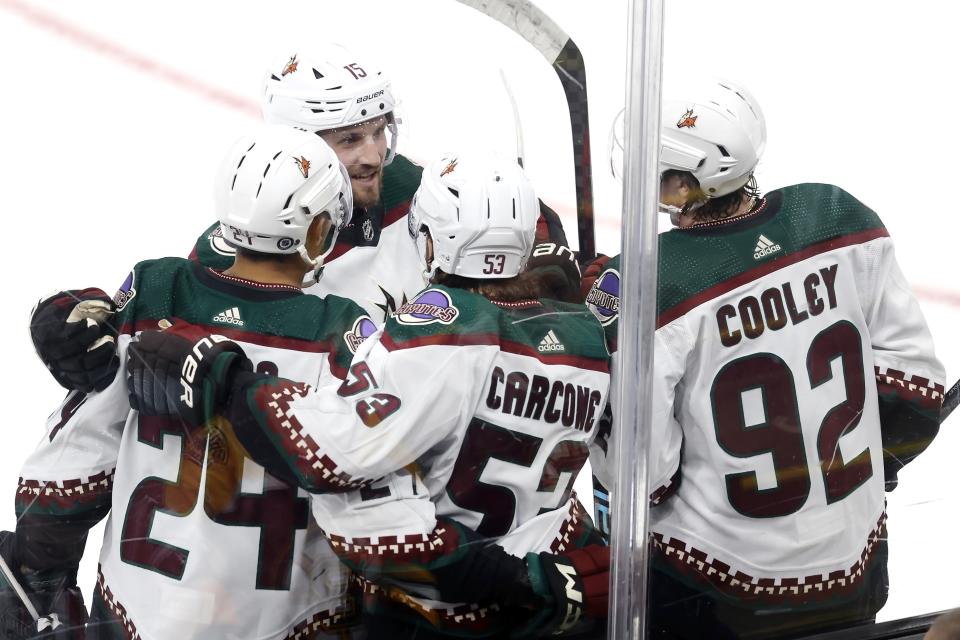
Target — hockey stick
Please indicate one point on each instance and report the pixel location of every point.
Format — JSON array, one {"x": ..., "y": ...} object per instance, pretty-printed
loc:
[
  {"x": 18, "y": 589},
  {"x": 537, "y": 28},
  {"x": 950, "y": 401},
  {"x": 518, "y": 129}
]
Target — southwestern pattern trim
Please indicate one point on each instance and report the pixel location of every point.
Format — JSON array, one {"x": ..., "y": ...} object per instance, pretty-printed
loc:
[
  {"x": 573, "y": 527},
  {"x": 321, "y": 622},
  {"x": 64, "y": 496},
  {"x": 913, "y": 389},
  {"x": 421, "y": 548},
  {"x": 116, "y": 608},
  {"x": 331, "y": 621},
  {"x": 318, "y": 469},
  {"x": 731, "y": 582}
]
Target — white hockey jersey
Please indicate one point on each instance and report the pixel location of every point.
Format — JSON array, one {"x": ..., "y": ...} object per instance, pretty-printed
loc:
[
  {"x": 201, "y": 543},
  {"x": 792, "y": 366},
  {"x": 374, "y": 263},
  {"x": 489, "y": 408}
]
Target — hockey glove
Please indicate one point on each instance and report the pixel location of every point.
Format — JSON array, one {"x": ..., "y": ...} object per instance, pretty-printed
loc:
[
  {"x": 72, "y": 336},
  {"x": 575, "y": 584},
  {"x": 558, "y": 270},
  {"x": 54, "y": 596},
  {"x": 182, "y": 371},
  {"x": 592, "y": 271}
]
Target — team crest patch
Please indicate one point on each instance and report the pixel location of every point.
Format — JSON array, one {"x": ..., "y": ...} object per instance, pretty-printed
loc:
[
  {"x": 604, "y": 297},
  {"x": 218, "y": 244},
  {"x": 430, "y": 306},
  {"x": 449, "y": 168},
  {"x": 291, "y": 66},
  {"x": 362, "y": 329},
  {"x": 125, "y": 293},
  {"x": 687, "y": 120},
  {"x": 304, "y": 165}
]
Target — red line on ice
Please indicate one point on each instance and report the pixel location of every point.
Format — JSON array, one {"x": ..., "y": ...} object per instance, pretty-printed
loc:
[
  {"x": 942, "y": 296},
  {"x": 92, "y": 41}
]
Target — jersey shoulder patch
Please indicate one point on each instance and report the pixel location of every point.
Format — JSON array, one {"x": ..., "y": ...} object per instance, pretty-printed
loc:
[
  {"x": 455, "y": 317},
  {"x": 146, "y": 291},
  {"x": 603, "y": 300},
  {"x": 212, "y": 250},
  {"x": 430, "y": 306},
  {"x": 343, "y": 319}
]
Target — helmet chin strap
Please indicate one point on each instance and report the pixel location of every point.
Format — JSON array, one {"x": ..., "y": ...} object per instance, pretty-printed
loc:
[
  {"x": 675, "y": 212},
  {"x": 428, "y": 270},
  {"x": 315, "y": 272},
  {"x": 316, "y": 264}
]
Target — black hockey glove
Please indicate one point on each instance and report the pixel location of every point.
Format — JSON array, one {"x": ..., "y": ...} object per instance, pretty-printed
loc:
[
  {"x": 558, "y": 270},
  {"x": 54, "y": 596},
  {"x": 575, "y": 586},
  {"x": 72, "y": 336},
  {"x": 549, "y": 227},
  {"x": 182, "y": 371}
]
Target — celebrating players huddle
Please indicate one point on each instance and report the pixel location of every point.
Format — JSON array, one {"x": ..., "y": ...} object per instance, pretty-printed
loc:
[{"x": 328, "y": 423}]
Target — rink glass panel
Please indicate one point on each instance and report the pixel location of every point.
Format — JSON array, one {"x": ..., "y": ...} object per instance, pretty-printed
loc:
[{"x": 838, "y": 119}]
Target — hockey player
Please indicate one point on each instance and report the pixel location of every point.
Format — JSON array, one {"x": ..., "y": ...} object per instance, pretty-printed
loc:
[
  {"x": 201, "y": 542},
  {"x": 348, "y": 101},
  {"x": 795, "y": 376},
  {"x": 483, "y": 396}
]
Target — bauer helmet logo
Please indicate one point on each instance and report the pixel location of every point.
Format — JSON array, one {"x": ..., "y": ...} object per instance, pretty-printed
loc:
[
  {"x": 449, "y": 168},
  {"x": 687, "y": 120},
  {"x": 304, "y": 165},
  {"x": 291, "y": 66}
]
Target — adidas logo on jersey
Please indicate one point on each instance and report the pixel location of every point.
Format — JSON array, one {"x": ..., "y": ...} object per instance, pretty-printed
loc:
[
  {"x": 230, "y": 316},
  {"x": 550, "y": 343},
  {"x": 765, "y": 246}
]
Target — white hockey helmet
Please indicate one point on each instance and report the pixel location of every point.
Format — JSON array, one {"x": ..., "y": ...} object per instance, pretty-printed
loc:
[
  {"x": 273, "y": 183},
  {"x": 481, "y": 212},
  {"x": 328, "y": 89},
  {"x": 713, "y": 129}
]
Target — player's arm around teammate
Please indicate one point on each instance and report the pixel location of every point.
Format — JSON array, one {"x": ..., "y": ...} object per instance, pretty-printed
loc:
[
  {"x": 422, "y": 390},
  {"x": 372, "y": 264}
]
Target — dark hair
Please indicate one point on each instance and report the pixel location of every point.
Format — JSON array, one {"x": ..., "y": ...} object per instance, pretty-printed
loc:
[
  {"x": 714, "y": 208},
  {"x": 528, "y": 285}
]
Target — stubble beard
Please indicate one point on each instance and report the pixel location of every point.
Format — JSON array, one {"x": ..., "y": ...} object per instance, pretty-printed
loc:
[{"x": 368, "y": 196}]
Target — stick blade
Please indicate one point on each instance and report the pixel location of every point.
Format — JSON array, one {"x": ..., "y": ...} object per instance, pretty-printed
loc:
[{"x": 527, "y": 20}]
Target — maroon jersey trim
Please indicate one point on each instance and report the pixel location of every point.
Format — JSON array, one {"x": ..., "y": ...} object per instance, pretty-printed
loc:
[
  {"x": 456, "y": 339},
  {"x": 717, "y": 290}
]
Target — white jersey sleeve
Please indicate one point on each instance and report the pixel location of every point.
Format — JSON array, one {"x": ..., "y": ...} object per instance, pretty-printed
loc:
[
  {"x": 70, "y": 474},
  {"x": 770, "y": 331},
  {"x": 340, "y": 437}
]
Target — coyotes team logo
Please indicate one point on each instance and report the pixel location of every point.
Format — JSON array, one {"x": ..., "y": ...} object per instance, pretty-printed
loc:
[
  {"x": 687, "y": 120},
  {"x": 362, "y": 329},
  {"x": 304, "y": 165},
  {"x": 604, "y": 297},
  {"x": 433, "y": 305},
  {"x": 125, "y": 293},
  {"x": 449, "y": 168},
  {"x": 291, "y": 66}
]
